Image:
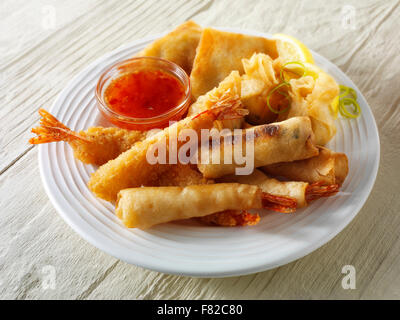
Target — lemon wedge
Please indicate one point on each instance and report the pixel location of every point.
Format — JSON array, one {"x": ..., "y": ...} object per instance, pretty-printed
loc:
[
  {"x": 335, "y": 106},
  {"x": 291, "y": 49},
  {"x": 313, "y": 70}
]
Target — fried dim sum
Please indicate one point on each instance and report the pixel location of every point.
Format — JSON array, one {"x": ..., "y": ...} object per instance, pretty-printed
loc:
[
  {"x": 313, "y": 98},
  {"x": 257, "y": 81},
  {"x": 132, "y": 168},
  {"x": 291, "y": 140},
  {"x": 148, "y": 206},
  {"x": 303, "y": 192},
  {"x": 219, "y": 53},
  {"x": 178, "y": 46},
  {"x": 229, "y": 87},
  {"x": 97, "y": 145},
  {"x": 327, "y": 167},
  {"x": 298, "y": 91},
  {"x": 203, "y": 167},
  {"x": 319, "y": 108}
]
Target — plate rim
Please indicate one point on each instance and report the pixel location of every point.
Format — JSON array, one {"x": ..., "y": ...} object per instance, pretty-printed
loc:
[{"x": 94, "y": 239}]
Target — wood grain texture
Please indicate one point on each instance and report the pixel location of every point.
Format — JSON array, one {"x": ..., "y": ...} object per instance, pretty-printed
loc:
[{"x": 37, "y": 61}]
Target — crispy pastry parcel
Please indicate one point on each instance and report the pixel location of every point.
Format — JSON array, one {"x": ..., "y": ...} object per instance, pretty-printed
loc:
[
  {"x": 221, "y": 52},
  {"x": 178, "y": 46}
]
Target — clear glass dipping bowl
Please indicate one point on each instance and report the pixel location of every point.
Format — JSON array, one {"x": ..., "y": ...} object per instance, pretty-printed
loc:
[{"x": 135, "y": 65}]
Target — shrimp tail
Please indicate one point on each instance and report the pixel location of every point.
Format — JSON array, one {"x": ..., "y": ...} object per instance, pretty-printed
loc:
[
  {"x": 278, "y": 203},
  {"x": 227, "y": 107},
  {"x": 318, "y": 190},
  {"x": 51, "y": 130}
]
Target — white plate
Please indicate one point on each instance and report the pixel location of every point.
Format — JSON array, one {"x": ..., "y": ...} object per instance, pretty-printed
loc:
[{"x": 188, "y": 248}]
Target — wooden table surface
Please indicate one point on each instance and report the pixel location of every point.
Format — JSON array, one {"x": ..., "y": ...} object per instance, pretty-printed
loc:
[{"x": 44, "y": 43}]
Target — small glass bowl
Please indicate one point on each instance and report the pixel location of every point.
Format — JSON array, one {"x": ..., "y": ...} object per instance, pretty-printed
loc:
[{"x": 134, "y": 65}]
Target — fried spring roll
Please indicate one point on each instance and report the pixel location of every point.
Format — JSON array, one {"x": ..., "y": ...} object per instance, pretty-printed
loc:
[
  {"x": 148, "y": 206},
  {"x": 288, "y": 140},
  {"x": 328, "y": 167},
  {"x": 293, "y": 189},
  {"x": 303, "y": 192}
]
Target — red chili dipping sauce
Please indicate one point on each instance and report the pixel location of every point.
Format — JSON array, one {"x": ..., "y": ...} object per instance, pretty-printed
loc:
[{"x": 144, "y": 94}]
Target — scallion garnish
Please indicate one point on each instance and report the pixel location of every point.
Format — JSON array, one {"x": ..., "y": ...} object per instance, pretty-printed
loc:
[
  {"x": 348, "y": 97},
  {"x": 292, "y": 62},
  {"x": 345, "y": 112},
  {"x": 280, "y": 92}
]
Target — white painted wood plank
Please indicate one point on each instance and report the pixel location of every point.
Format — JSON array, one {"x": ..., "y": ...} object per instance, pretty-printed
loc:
[
  {"x": 34, "y": 238},
  {"x": 37, "y": 63}
]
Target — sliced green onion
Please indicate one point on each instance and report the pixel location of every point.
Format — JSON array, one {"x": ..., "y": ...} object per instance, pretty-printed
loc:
[
  {"x": 353, "y": 93},
  {"x": 346, "y": 91},
  {"x": 292, "y": 62},
  {"x": 335, "y": 106},
  {"x": 347, "y": 97},
  {"x": 345, "y": 112},
  {"x": 282, "y": 93}
]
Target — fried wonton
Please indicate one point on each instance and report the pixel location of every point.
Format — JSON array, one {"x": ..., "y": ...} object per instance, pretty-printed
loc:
[
  {"x": 259, "y": 78},
  {"x": 221, "y": 52},
  {"x": 319, "y": 108},
  {"x": 313, "y": 98},
  {"x": 178, "y": 46},
  {"x": 298, "y": 91},
  {"x": 231, "y": 85},
  {"x": 228, "y": 88}
]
